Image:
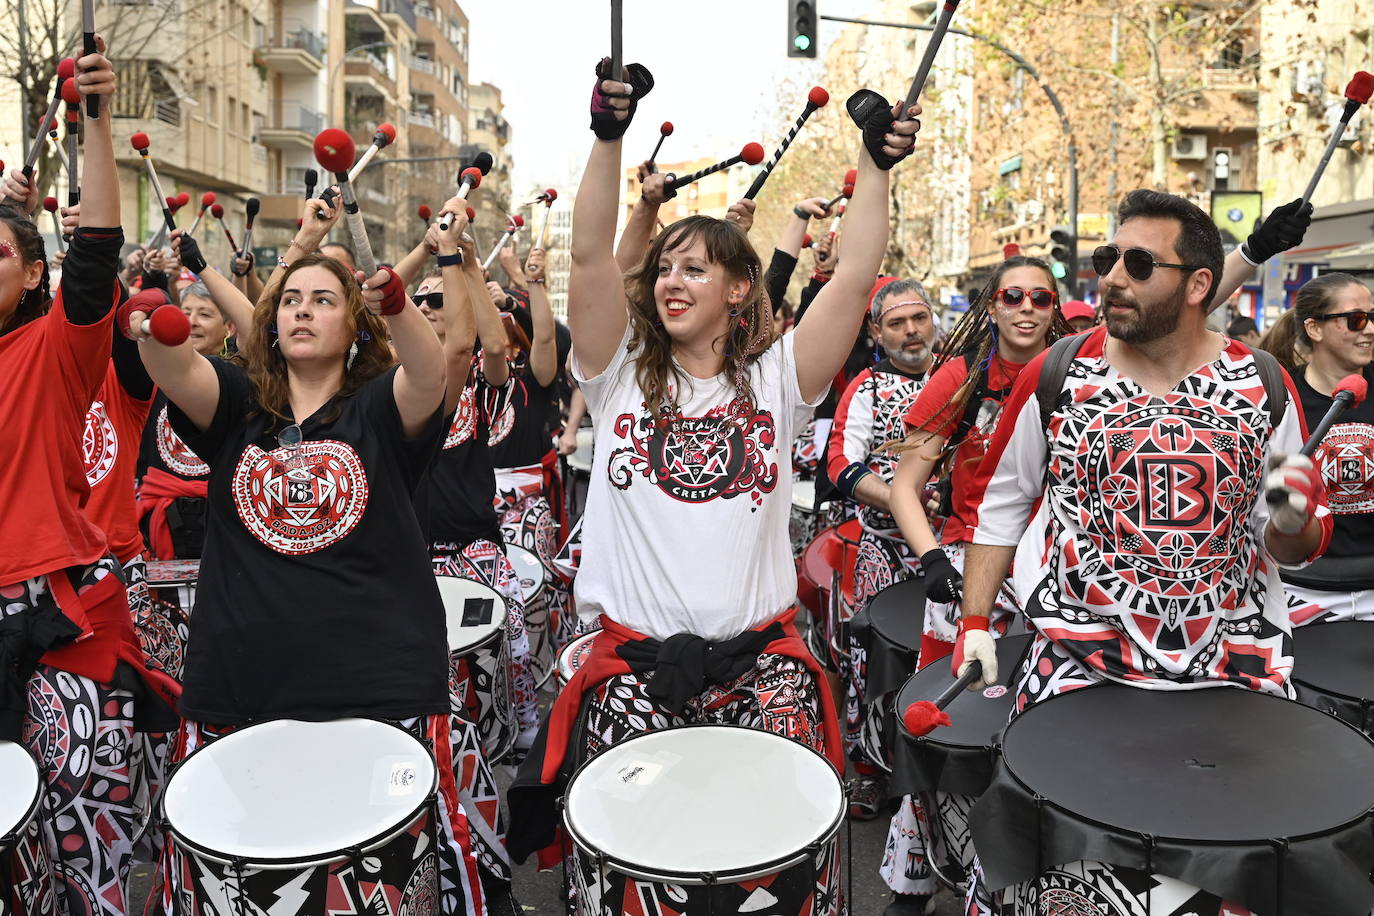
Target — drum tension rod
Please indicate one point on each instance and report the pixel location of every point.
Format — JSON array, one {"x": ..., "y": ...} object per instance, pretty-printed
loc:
[
  {"x": 1280, "y": 845},
  {"x": 1039, "y": 801},
  {"x": 1148, "y": 841}
]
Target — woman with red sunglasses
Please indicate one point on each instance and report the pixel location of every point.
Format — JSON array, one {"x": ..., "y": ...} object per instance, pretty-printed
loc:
[{"x": 1326, "y": 336}]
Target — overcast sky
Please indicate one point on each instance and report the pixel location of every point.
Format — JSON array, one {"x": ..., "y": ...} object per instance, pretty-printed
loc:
[{"x": 715, "y": 66}]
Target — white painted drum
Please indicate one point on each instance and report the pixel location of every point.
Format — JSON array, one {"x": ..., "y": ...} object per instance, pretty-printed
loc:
[
  {"x": 19, "y": 777},
  {"x": 479, "y": 662},
  {"x": 581, "y": 458},
  {"x": 26, "y": 885},
  {"x": 804, "y": 496},
  {"x": 291, "y": 793},
  {"x": 572, "y": 657},
  {"x": 533, "y": 577},
  {"x": 470, "y": 620}
]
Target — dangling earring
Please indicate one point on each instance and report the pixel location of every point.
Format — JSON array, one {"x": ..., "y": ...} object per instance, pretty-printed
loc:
[{"x": 352, "y": 355}]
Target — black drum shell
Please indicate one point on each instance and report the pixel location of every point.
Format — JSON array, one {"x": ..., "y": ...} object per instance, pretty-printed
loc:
[{"x": 1333, "y": 670}]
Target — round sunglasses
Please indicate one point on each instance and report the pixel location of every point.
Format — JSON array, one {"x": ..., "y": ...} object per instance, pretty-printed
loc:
[
  {"x": 1140, "y": 264},
  {"x": 1013, "y": 296},
  {"x": 1354, "y": 320}
]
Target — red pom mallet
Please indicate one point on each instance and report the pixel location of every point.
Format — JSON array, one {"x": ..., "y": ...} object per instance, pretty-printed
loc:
[
  {"x": 335, "y": 151},
  {"x": 807, "y": 241},
  {"x": 73, "y": 100},
  {"x": 468, "y": 179},
  {"x": 924, "y": 716},
  {"x": 384, "y": 137},
  {"x": 839, "y": 213},
  {"x": 471, "y": 215},
  {"x": 1350, "y": 392},
  {"x": 665, "y": 130},
  {"x": 513, "y": 225},
  {"x": 50, "y": 204},
  {"x": 424, "y": 212},
  {"x": 816, "y": 98},
  {"x": 751, "y": 153},
  {"x": 217, "y": 211},
  {"x": 206, "y": 201},
  {"x": 65, "y": 69},
  {"x": 847, "y": 191},
  {"x": 140, "y": 142},
  {"x": 549, "y": 196},
  {"x": 1357, "y": 93},
  {"x": 169, "y": 326}
]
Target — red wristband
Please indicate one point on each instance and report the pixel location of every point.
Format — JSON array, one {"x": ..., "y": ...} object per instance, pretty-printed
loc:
[
  {"x": 973, "y": 622},
  {"x": 393, "y": 294},
  {"x": 819, "y": 277}
]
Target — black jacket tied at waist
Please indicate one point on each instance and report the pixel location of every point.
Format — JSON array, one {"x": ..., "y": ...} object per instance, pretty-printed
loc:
[{"x": 684, "y": 666}]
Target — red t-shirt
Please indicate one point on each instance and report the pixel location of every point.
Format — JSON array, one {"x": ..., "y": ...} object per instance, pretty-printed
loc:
[
  {"x": 114, "y": 426},
  {"x": 934, "y": 413},
  {"x": 52, "y": 370}
]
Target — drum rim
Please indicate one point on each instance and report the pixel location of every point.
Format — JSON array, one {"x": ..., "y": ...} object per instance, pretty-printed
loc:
[
  {"x": 31, "y": 811},
  {"x": 186, "y": 844},
  {"x": 577, "y": 641},
  {"x": 695, "y": 878},
  {"x": 1364, "y": 702},
  {"x": 878, "y": 631},
  {"x": 497, "y": 631},
  {"x": 1005, "y": 767},
  {"x": 542, "y": 585}
]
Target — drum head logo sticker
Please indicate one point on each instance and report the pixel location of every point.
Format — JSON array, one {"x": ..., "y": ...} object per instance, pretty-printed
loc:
[
  {"x": 99, "y": 444},
  {"x": 175, "y": 454},
  {"x": 300, "y": 499},
  {"x": 464, "y": 420},
  {"x": 995, "y": 692},
  {"x": 698, "y": 459}
]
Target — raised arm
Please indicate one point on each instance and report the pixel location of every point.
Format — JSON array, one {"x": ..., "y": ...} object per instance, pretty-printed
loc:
[
  {"x": 825, "y": 338},
  {"x": 419, "y": 384},
  {"x": 460, "y": 330},
  {"x": 100, "y": 175},
  {"x": 491, "y": 331},
  {"x": 186, "y": 377},
  {"x": 639, "y": 228},
  {"x": 230, "y": 299},
  {"x": 544, "y": 347},
  {"x": 1281, "y": 230},
  {"x": 413, "y": 264}
]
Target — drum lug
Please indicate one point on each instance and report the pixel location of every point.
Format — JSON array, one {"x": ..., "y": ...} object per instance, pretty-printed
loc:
[
  {"x": 354, "y": 853},
  {"x": 1280, "y": 845}
]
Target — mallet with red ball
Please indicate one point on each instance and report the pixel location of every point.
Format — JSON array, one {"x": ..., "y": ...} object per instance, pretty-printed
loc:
[
  {"x": 1357, "y": 93},
  {"x": 73, "y": 100},
  {"x": 752, "y": 153},
  {"x": 847, "y": 191},
  {"x": 548, "y": 197},
  {"x": 815, "y": 99},
  {"x": 424, "y": 212},
  {"x": 166, "y": 323},
  {"x": 665, "y": 130},
  {"x": 937, "y": 37},
  {"x": 384, "y": 137},
  {"x": 50, "y": 204},
  {"x": 65, "y": 69},
  {"x": 924, "y": 716},
  {"x": 207, "y": 200},
  {"x": 217, "y": 211},
  {"x": 174, "y": 203},
  {"x": 140, "y": 142},
  {"x": 334, "y": 151},
  {"x": 1350, "y": 392},
  {"x": 513, "y": 225},
  {"x": 468, "y": 179}
]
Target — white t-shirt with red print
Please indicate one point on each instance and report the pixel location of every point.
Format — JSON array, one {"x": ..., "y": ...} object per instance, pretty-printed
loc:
[
  {"x": 685, "y": 529},
  {"x": 1145, "y": 561}
]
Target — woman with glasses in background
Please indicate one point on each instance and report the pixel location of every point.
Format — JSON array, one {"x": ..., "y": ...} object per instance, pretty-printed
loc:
[{"x": 1327, "y": 335}]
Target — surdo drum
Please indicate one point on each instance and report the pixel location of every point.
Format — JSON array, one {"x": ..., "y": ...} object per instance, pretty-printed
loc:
[
  {"x": 1333, "y": 669},
  {"x": 306, "y": 817},
  {"x": 25, "y": 873},
  {"x": 1118, "y": 801},
  {"x": 572, "y": 657},
  {"x": 533, "y": 592},
  {"x": 807, "y": 517},
  {"x": 659, "y": 825},
  {"x": 479, "y": 684}
]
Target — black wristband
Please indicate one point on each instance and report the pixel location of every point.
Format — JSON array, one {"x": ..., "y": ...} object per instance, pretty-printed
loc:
[
  {"x": 450, "y": 260},
  {"x": 801, "y": 214}
]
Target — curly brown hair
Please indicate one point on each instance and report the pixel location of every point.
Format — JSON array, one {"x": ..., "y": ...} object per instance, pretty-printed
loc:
[
  {"x": 266, "y": 367},
  {"x": 745, "y": 341}
]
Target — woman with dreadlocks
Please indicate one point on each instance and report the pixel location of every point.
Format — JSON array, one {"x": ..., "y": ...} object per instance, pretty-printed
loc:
[
  {"x": 695, "y": 406},
  {"x": 1015, "y": 318}
]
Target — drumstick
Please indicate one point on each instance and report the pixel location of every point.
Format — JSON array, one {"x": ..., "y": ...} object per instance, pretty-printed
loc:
[
  {"x": 89, "y": 48},
  {"x": 334, "y": 151},
  {"x": 1350, "y": 392},
  {"x": 928, "y": 59},
  {"x": 1357, "y": 93},
  {"x": 924, "y": 716},
  {"x": 664, "y": 131},
  {"x": 384, "y": 137},
  {"x": 549, "y": 196},
  {"x": 513, "y": 225},
  {"x": 50, "y": 204},
  {"x": 751, "y": 153},
  {"x": 207, "y": 200},
  {"x": 816, "y": 98},
  {"x": 617, "y": 41}
]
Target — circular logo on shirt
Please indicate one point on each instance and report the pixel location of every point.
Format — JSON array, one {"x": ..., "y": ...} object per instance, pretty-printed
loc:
[
  {"x": 176, "y": 454},
  {"x": 464, "y": 420},
  {"x": 99, "y": 444},
  {"x": 1346, "y": 459},
  {"x": 301, "y": 499},
  {"x": 503, "y": 425}
]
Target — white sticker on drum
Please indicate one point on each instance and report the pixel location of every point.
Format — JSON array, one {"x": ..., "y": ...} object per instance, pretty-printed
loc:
[
  {"x": 637, "y": 774},
  {"x": 395, "y": 778}
]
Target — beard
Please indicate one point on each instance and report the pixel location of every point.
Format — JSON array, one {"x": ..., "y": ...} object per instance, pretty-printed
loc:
[
  {"x": 1149, "y": 322},
  {"x": 910, "y": 361}
]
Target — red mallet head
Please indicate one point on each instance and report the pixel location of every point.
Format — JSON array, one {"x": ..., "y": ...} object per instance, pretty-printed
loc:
[
  {"x": 207, "y": 199},
  {"x": 1010, "y": 250},
  {"x": 425, "y": 212},
  {"x": 472, "y": 176},
  {"x": 817, "y": 97},
  {"x": 217, "y": 211},
  {"x": 70, "y": 95},
  {"x": 471, "y": 215},
  {"x": 385, "y": 133},
  {"x": 335, "y": 150},
  {"x": 139, "y": 141},
  {"x": 848, "y": 191},
  {"x": 666, "y": 128},
  {"x": 517, "y": 221},
  {"x": 50, "y": 204},
  {"x": 851, "y": 176},
  {"x": 1356, "y": 385},
  {"x": 1361, "y": 87},
  {"x": 169, "y": 326},
  {"x": 807, "y": 240},
  {"x": 66, "y": 68},
  {"x": 550, "y": 195},
  {"x": 752, "y": 153},
  {"x": 923, "y": 717},
  {"x": 183, "y": 199}
]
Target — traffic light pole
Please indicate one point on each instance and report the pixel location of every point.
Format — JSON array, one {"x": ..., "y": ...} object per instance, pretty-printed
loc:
[{"x": 1064, "y": 124}]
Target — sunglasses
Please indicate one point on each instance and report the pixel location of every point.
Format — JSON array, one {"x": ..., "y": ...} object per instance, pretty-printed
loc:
[
  {"x": 1013, "y": 296},
  {"x": 1140, "y": 264},
  {"x": 1355, "y": 321},
  {"x": 433, "y": 300}
]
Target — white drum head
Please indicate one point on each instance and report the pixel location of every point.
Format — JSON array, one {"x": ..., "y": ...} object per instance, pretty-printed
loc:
[
  {"x": 581, "y": 458},
  {"x": 472, "y": 612},
  {"x": 732, "y": 801},
  {"x": 804, "y": 495},
  {"x": 19, "y": 776},
  {"x": 528, "y": 569},
  {"x": 288, "y": 791},
  {"x": 570, "y": 659}
]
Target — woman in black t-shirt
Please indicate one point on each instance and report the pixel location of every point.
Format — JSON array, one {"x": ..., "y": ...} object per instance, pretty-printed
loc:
[
  {"x": 316, "y": 600},
  {"x": 1326, "y": 336}
]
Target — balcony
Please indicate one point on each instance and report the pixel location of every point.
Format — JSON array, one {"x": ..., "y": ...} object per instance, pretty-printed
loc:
[
  {"x": 365, "y": 75},
  {"x": 401, "y": 9},
  {"x": 423, "y": 65},
  {"x": 295, "y": 129},
  {"x": 425, "y": 11},
  {"x": 367, "y": 17},
  {"x": 294, "y": 50}
]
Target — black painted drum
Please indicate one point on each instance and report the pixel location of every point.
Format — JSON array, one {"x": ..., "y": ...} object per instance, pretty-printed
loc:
[{"x": 1333, "y": 669}]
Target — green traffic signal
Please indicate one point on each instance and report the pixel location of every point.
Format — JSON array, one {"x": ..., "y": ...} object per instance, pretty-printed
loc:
[
  {"x": 1059, "y": 269},
  {"x": 802, "y": 42}
]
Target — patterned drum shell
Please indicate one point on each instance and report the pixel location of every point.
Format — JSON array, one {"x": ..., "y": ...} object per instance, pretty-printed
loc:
[
  {"x": 572, "y": 657},
  {"x": 330, "y": 815},
  {"x": 534, "y": 581},
  {"x": 479, "y": 662}
]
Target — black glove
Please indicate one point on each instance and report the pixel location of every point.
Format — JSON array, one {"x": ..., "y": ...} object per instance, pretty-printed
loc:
[
  {"x": 604, "y": 123},
  {"x": 873, "y": 115},
  {"x": 189, "y": 251},
  {"x": 943, "y": 582},
  {"x": 1281, "y": 230}
]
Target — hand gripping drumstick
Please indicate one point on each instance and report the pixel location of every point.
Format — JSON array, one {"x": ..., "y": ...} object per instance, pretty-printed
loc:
[
  {"x": 174, "y": 204},
  {"x": 166, "y": 323},
  {"x": 549, "y": 196},
  {"x": 50, "y": 204},
  {"x": 253, "y": 205},
  {"x": 140, "y": 141},
  {"x": 73, "y": 100},
  {"x": 1357, "y": 93},
  {"x": 1350, "y": 392},
  {"x": 88, "y": 47},
  {"x": 384, "y": 137},
  {"x": 751, "y": 153},
  {"x": 217, "y": 212},
  {"x": 513, "y": 225},
  {"x": 665, "y": 130},
  {"x": 816, "y": 98},
  {"x": 924, "y": 716},
  {"x": 334, "y": 151},
  {"x": 207, "y": 200},
  {"x": 469, "y": 178}
]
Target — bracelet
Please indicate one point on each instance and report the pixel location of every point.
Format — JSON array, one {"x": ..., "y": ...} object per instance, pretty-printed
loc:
[
  {"x": 539, "y": 282},
  {"x": 451, "y": 260},
  {"x": 281, "y": 262},
  {"x": 302, "y": 247},
  {"x": 800, "y": 213}
]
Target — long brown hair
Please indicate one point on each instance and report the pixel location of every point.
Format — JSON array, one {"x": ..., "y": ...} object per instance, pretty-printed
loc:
[
  {"x": 751, "y": 327},
  {"x": 975, "y": 334},
  {"x": 1286, "y": 339},
  {"x": 266, "y": 366},
  {"x": 35, "y": 302}
]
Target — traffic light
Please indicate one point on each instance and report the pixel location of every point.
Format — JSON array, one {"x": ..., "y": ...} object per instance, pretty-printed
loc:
[
  {"x": 801, "y": 28},
  {"x": 1063, "y": 252},
  {"x": 1221, "y": 169}
]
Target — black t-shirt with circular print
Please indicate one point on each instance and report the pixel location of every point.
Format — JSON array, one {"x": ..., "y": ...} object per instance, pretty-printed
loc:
[
  {"x": 1346, "y": 460},
  {"x": 316, "y": 597}
]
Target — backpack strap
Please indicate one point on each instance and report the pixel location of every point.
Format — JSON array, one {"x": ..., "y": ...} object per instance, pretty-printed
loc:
[
  {"x": 1053, "y": 371},
  {"x": 1275, "y": 391},
  {"x": 974, "y": 403}
]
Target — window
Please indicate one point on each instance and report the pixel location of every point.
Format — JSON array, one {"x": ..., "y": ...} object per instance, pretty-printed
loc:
[{"x": 211, "y": 104}]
